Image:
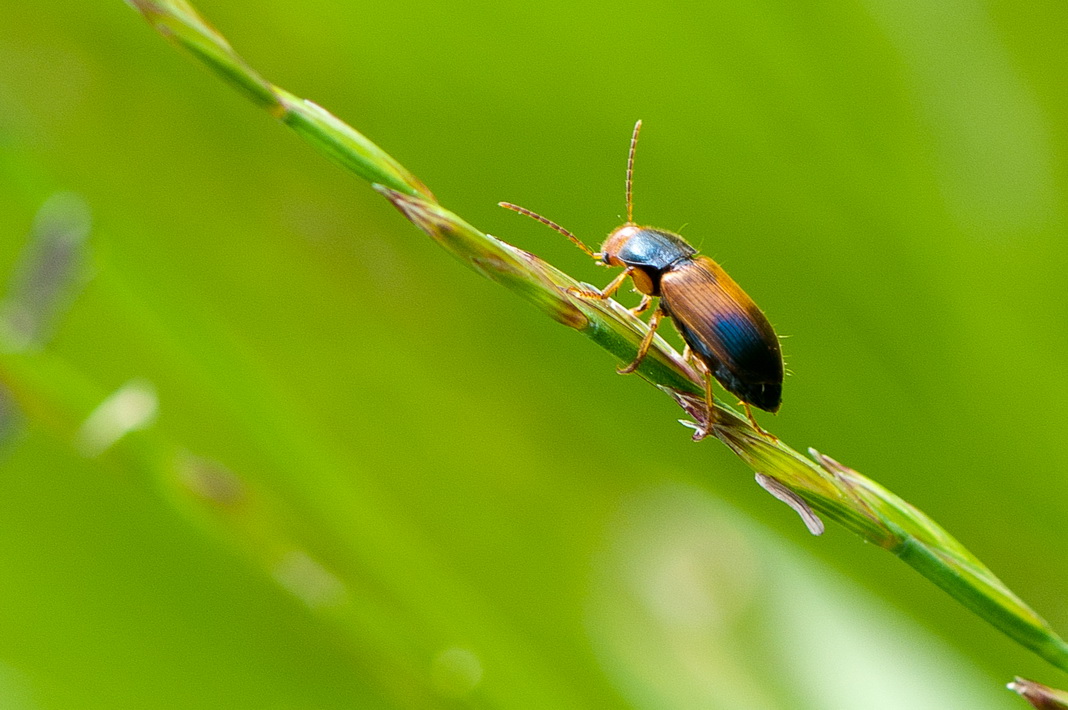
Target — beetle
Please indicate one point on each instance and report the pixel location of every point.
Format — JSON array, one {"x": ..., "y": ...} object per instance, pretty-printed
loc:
[{"x": 725, "y": 331}]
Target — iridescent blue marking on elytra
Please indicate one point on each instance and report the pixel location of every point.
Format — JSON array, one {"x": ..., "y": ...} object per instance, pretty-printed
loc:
[
  {"x": 752, "y": 361},
  {"x": 738, "y": 334}
]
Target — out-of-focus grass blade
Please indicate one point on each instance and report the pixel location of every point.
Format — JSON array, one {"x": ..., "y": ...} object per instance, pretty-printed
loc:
[
  {"x": 46, "y": 274},
  {"x": 391, "y": 639}
]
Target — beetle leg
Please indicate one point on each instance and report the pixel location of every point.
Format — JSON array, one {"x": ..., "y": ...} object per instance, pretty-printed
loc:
[
  {"x": 585, "y": 293},
  {"x": 752, "y": 420},
  {"x": 643, "y": 306},
  {"x": 694, "y": 361},
  {"x": 604, "y": 293},
  {"x": 654, "y": 323},
  {"x": 710, "y": 403}
]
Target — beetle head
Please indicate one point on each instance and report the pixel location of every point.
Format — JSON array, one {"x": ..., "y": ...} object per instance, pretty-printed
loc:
[{"x": 615, "y": 242}]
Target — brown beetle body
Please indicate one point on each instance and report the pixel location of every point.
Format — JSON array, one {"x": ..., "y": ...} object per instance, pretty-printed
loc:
[
  {"x": 723, "y": 326},
  {"x": 725, "y": 330}
]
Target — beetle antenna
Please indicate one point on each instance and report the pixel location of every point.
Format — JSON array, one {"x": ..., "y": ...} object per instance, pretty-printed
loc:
[
  {"x": 630, "y": 172},
  {"x": 551, "y": 224}
]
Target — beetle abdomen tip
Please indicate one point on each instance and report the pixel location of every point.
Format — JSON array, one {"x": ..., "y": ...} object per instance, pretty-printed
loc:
[
  {"x": 762, "y": 395},
  {"x": 766, "y": 395}
]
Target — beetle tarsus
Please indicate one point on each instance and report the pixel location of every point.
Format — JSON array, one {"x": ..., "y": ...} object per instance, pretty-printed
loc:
[
  {"x": 710, "y": 405},
  {"x": 586, "y": 293},
  {"x": 753, "y": 422},
  {"x": 647, "y": 341},
  {"x": 603, "y": 294},
  {"x": 642, "y": 307}
]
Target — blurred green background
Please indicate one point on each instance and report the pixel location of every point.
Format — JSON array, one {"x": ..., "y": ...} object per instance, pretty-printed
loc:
[{"x": 374, "y": 479}]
